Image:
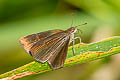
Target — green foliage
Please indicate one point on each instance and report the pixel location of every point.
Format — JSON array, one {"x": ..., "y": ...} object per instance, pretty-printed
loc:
[{"x": 20, "y": 18}]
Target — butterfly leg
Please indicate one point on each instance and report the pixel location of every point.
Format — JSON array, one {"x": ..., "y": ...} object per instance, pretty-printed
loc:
[
  {"x": 79, "y": 40},
  {"x": 73, "y": 44},
  {"x": 73, "y": 47}
]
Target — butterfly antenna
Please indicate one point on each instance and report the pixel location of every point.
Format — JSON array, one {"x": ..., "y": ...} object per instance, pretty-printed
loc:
[
  {"x": 79, "y": 30},
  {"x": 72, "y": 19},
  {"x": 81, "y": 24}
]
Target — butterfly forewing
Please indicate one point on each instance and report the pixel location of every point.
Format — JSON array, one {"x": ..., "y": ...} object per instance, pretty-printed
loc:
[
  {"x": 28, "y": 41},
  {"x": 58, "y": 57},
  {"x": 42, "y": 50}
]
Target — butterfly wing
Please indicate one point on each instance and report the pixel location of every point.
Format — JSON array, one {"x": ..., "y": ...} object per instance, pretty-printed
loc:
[
  {"x": 42, "y": 50},
  {"x": 28, "y": 41},
  {"x": 58, "y": 57}
]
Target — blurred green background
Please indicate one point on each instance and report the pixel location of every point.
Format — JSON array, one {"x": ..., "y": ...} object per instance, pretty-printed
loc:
[{"x": 22, "y": 17}]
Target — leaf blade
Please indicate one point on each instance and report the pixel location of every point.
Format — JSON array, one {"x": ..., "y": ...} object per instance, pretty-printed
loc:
[{"x": 85, "y": 53}]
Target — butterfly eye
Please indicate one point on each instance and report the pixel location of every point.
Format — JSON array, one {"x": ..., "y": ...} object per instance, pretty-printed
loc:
[
  {"x": 64, "y": 39},
  {"x": 72, "y": 30}
]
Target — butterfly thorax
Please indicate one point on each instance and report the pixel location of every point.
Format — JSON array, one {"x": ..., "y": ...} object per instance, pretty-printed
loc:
[{"x": 71, "y": 30}]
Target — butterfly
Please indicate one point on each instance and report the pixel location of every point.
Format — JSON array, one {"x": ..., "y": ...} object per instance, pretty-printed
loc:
[{"x": 50, "y": 46}]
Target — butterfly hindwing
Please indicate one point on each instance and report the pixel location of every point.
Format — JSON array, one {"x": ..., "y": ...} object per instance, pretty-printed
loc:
[
  {"x": 28, "y": 41},
  {"x": 58, "y": 58}
]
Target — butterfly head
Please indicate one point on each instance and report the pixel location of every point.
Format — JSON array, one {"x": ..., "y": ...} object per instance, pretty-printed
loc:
[{"x": 72, "y": 30}]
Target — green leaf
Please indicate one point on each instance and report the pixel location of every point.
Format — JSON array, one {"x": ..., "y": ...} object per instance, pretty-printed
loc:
[{"x": 84, "y": 53}]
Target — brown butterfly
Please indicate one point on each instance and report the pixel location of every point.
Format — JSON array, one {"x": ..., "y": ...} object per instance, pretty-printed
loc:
[{"x": 50, "y": 46}]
